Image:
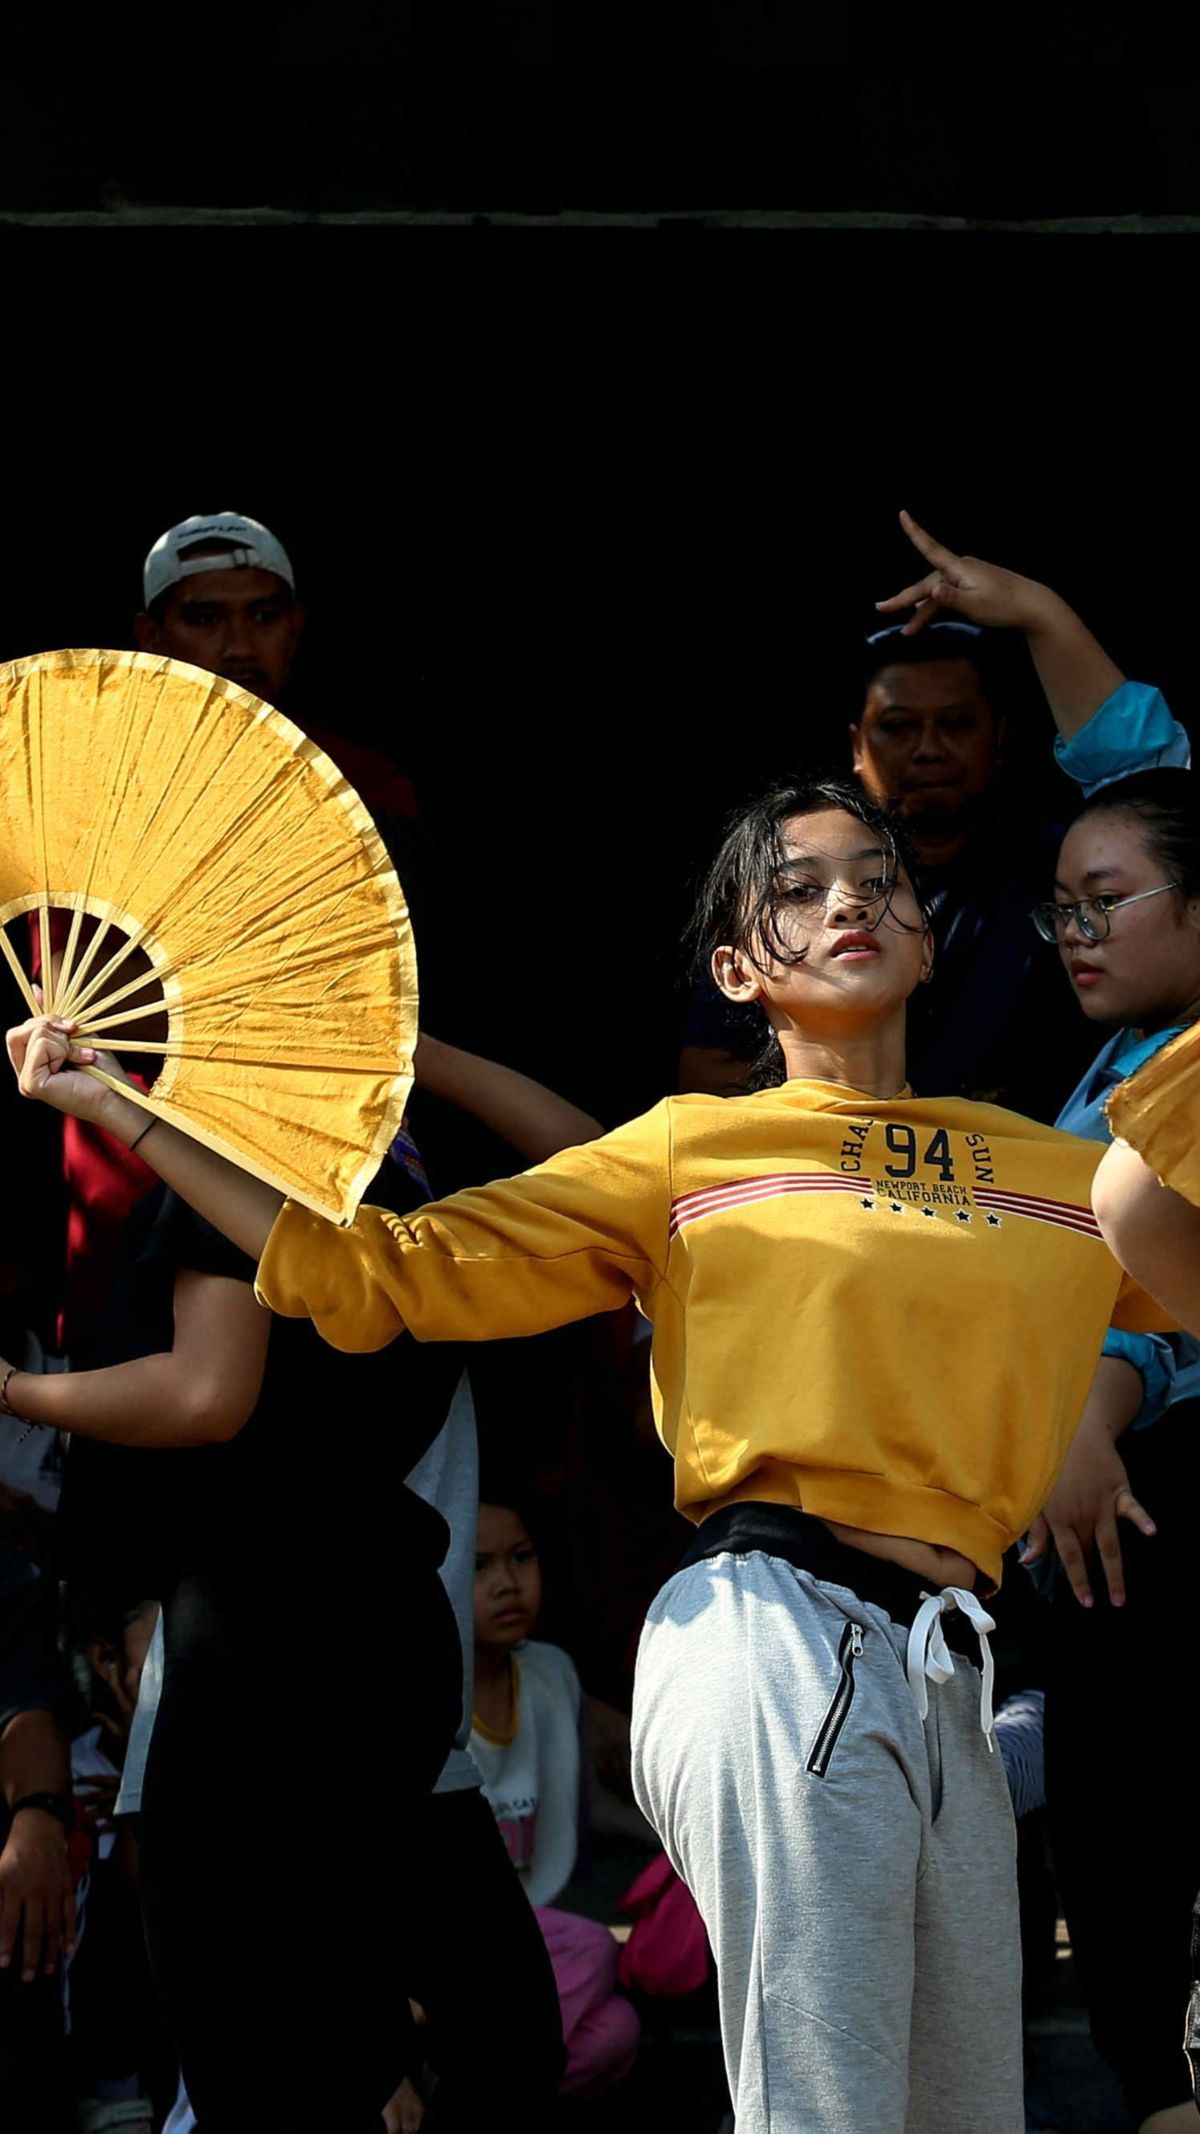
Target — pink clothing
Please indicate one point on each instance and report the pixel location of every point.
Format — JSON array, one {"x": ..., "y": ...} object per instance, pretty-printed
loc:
[
  {"x": 600, "y": 2028},
  {"x": 667, "y": 1951}
]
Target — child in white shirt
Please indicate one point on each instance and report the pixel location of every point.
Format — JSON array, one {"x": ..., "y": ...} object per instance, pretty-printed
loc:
[{"x": 525, "y": 1740}]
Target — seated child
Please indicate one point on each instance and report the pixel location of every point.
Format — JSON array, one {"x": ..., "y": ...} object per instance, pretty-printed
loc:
[{"x": 525, "y": 1739}]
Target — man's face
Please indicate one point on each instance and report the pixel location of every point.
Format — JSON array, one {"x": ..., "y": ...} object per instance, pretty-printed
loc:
[
  {"x": 241, "y": 624},
  {"x": 928, "y": 743}
]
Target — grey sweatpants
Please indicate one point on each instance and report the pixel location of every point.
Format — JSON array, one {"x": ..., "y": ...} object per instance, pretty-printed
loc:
[{"x": 853, "y": 1866}]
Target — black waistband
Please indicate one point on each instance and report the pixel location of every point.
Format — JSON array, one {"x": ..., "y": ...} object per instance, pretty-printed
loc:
[{"x": 807, "y": 1544}]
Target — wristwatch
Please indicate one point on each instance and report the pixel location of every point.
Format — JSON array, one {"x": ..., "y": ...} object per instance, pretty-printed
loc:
[{"x": 59, "y": 1805}]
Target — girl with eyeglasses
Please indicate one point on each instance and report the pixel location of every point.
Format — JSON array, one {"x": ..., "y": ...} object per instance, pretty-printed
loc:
[{"x": 1125, "y": 919}]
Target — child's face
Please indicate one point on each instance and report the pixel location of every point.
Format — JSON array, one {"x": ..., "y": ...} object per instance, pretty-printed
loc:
[{"x": 508, "y": 1579}]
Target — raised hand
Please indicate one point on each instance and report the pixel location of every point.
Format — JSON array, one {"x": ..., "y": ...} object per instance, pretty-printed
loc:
[
  {"x": 981, "y": 592},
  {"x": 46, "y": 1063}
]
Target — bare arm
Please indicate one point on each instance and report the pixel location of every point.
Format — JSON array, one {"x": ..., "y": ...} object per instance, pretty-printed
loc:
[
  {"x": 1153, "y": 1232},
  {"x": 37, "y": 1891},
  {"x": 199, "y": 1392},
  {"x": 532, "y": 1119},
  {"x": 35, "y": 1757},
  {"x": 1075, "y": 671},
  {"x": 46, "y": 1065}
]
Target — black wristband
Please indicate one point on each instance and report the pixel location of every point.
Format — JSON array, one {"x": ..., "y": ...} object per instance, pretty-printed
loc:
[
  {"x": 59, "y": 1805},
  {"x": 139, "y": 1138}
]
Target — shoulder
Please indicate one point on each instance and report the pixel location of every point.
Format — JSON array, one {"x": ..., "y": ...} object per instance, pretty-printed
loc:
[{"x": 549, "y": 1668}]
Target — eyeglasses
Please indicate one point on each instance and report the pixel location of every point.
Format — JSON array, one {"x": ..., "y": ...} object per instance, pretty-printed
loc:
[{"x": 1091, "y": 914}]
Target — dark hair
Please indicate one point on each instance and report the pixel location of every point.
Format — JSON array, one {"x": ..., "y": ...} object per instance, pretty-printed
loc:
[
  {"x": 944, "y": 639},
  {"x": 508, "y": 1493},
  {"x": 738, "y": 902},
  {"x": 1165, "y": 805}
]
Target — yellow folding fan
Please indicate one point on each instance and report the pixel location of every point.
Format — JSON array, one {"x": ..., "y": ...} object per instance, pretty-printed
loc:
[
  {"x": 1158, "y": 1112},
  {"x": 212, "y": 901}
]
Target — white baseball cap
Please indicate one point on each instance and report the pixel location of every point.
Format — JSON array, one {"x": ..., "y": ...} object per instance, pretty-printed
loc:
[{"x": 223, "y": 542}]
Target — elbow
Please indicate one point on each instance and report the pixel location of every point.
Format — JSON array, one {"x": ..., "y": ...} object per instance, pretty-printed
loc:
[
  {"x": 213, "y": 1416},
  {"x": 362, "y": 1338}
]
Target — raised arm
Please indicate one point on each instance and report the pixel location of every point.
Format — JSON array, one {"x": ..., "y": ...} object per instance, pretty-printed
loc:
[
  {"x": 1074, "y": 670},
  {"x": 47, "y": 1064},
  {"x": 532, "y": 1119},
  {"x": 199, "y": 1392}
]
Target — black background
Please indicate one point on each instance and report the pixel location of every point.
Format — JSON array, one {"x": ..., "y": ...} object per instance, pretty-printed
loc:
[{"x": 589, "y": 525}]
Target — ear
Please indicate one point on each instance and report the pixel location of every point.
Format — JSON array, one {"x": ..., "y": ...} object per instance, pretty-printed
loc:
[
  {"x": 735, "y": 976},
  {"x": 927, "y": 954},
  {"x": 104, "y": 1657}
]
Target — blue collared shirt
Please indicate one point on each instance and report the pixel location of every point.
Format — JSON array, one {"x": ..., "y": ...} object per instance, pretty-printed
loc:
[{"x": 1132, "y": 731}]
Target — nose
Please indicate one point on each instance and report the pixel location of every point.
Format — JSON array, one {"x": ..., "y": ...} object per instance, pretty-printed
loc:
[
  {"x": 1072, "y": 934},
  {"x": 849, "y": 905},
  {"x": 240, "y": 641},
  {"x": 930, "y": 745}
]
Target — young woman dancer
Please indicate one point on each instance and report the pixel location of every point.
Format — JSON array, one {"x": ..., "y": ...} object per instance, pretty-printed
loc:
[{"x": 876, "y": 1319}]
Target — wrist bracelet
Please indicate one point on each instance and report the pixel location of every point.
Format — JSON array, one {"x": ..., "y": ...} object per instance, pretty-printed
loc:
[
  {"x": 139, "y": 1138},
  {"x": 59, "y": 1805}
]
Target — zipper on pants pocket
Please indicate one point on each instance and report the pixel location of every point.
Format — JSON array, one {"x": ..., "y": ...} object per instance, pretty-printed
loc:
[{"x": 849, "y": 1650}]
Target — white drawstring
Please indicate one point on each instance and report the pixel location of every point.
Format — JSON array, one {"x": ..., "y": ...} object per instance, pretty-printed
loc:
[{"x": 929, "y": 1654}]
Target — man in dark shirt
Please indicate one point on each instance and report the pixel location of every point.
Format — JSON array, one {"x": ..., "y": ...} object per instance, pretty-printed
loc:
[
  {"x": 219, "y": 592},
  {"x": 995, "y": 1023}
]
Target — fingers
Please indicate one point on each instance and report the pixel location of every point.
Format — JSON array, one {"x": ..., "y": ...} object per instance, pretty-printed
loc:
[
  {"x": 1037, "y": 1541},
  {"x": 1108, "y": 1548},
  {"x": 932, "y": 550},
  {"x": 10, "y": 1920},
  {"x": 53, "y": 1936},
  {"x": 33, "y": 1934},
  {"x": 1127, "y": 1507},
  {"x": 911, "y": 594},
  {"x": 40, "y": 1048},
  {"x": 1070, "y": 1553}
]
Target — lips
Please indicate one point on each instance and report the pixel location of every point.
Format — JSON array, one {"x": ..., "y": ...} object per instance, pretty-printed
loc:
[
  {"x": 1085, "y": 974},
  {"x": 857, "y": 944}
]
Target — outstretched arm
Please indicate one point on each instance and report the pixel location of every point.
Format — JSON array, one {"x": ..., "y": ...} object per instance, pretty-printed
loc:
[
  {"x": 47, "y": 1063},
  {"x": 198, "y": 1392},
  {"x": 1075, "y": 671},
  {"x": 532, "y": 1119},
  {"x": 1153, "y": 1232}
]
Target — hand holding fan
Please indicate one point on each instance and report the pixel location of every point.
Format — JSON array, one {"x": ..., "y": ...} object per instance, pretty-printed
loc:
[{"x": 211, "y": 896}]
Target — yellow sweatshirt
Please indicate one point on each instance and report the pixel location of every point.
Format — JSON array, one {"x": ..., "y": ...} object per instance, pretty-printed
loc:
[{"x": 885, "y": 1313}]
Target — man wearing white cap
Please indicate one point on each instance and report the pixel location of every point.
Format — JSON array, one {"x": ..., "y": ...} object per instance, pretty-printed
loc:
[{"x": 220, "y": 592}]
